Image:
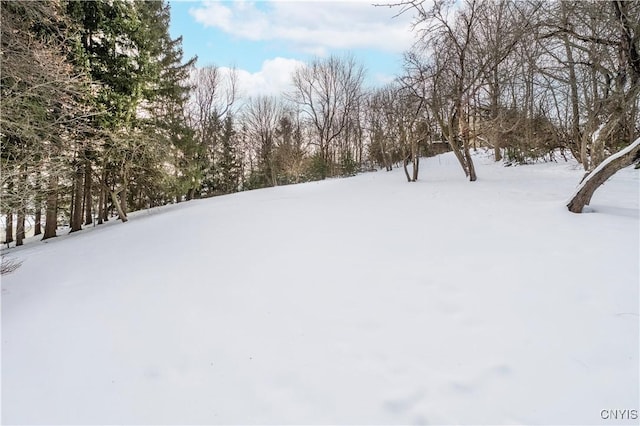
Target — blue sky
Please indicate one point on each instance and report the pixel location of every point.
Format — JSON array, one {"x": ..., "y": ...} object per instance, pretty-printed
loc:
[{"x": 266, "y": 40}]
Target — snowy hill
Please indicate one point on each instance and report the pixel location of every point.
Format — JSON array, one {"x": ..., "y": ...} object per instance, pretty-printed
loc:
[{"x": 365, "y": 300}]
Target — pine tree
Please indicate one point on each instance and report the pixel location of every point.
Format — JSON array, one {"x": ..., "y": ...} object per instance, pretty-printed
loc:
[
  {"x": 43, "y": 108},
  {"x": 169, "y": 101},
  {"x": 228, "y": 165},
  {"x": 107, "y": 34},
  {"x": 127, "y": 48},
  {"x": 207, "y": 161}
]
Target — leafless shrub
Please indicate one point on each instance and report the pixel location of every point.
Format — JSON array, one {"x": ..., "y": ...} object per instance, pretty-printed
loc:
[{"x": 7, "y": 266}]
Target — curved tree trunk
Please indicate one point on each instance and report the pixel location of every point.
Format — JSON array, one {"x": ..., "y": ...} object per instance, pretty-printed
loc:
[
  {"x": 116, "y": 202},
  {"x": 405, "y": 163},
  {"x": 470, "y": 166},
  {"x": 114, "y": 198},
  {"x": 600, "y": 174}
]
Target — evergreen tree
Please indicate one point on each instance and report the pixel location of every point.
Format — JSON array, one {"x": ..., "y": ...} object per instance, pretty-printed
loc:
[
  {"x": 228, "y": 164},
  {"x": 93, "y": 109},
  {"x": 43, "y": 109},
  {"x": 108, "y": 47},
  {"x": 207, "y": 160},
  {"x": 127, "y": 48},
  {"x": 166, "y": 102}
]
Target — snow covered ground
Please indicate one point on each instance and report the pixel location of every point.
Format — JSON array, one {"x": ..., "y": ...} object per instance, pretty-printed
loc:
[{"x": 365, "y": 300}]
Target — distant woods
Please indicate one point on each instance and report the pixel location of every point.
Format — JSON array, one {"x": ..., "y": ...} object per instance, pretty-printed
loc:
[
  {"x": 529, "y": 78},
  {"x": 102, "y": 114}
]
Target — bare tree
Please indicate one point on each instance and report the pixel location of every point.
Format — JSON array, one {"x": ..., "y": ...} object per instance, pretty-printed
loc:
[
  {"x": 327, "y": 90},
  {"x": 380, "y": 132},
  {"x": 454, "y": 67},
  {"x": 214, "y": 95},
  {"x": 262, "y": 116},
  {"x": 405, "y": 112},
  {"x": 503, "y": 25},
  {"x": 8, "y": 265},
  {"x": 600, "y": 174},
  {"x": 291, "y": 145},
  {"x": 620, "y": 107}
]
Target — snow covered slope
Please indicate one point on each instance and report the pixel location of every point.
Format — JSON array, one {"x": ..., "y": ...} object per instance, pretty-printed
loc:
[{"x": 365, "y": 300}]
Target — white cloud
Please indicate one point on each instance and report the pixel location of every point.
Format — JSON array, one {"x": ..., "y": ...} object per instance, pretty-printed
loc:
[
  {"x": 311, "y": 26},
  {"x": 273, "y": 78},
  {"x": 383, "y": 79}
]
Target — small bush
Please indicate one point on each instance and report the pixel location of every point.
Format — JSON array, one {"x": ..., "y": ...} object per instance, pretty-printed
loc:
[{"x": 9, "y": 265}]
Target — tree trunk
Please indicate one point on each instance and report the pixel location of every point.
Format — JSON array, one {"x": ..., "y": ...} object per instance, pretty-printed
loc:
[
  {"x": 600, "y": 174},
  {"x": 386, "y": 158},
  {"x": 597, "y": 150},
  {"x": 9, "y": 228},
  {"x": 105, "y": 210},
  {"x": 360, "y": 149},
  {"x": 464, "y": 134},
  {"x": 472, "y": 169},
  {"x": 453, "y": 144},
  {"x": 76, "y": 216},
  {"x": 274, "y": 175},
  {"x": 51, "y": 216},
  {"x": 102, "y": 207},
  {"x": 451, "y": 138},
  {"x": 20, "y": 233},
  {"x": 73, "y": 203},
  {"x": 415, "y": 160},
  {"x": 101, "y": 196},
  {"x": 124, "y": 194},
  {"x": 88, "y": 218},
  {"x": 573, "y": 85},
  {"x": 405, "y": 162},
  {"x": 494, "y": 88},
  {"x": 37, "y": 228},
  {"x": 116, "y": 202},
  {"x": 22, "y": 189},
  {"x": 496, "y": 146}
]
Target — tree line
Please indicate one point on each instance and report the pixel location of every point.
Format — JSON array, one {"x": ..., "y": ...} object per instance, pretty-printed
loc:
[
  {"x": 527, "y": 78},
  {"x": 102, "y": 114},
  {"x": 93, "y": 101}
]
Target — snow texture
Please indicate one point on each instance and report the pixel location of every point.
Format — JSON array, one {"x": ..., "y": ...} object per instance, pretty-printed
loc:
[{"x": 365, "y": 300}]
